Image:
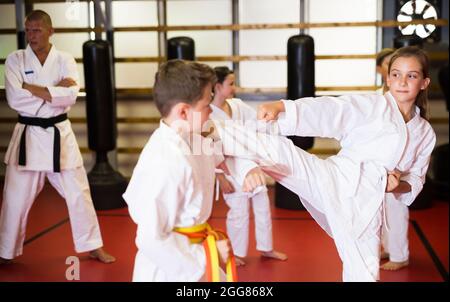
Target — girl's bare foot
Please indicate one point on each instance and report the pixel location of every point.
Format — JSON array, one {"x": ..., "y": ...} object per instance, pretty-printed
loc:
[
  {"x": 393, "y": 266},
  {"x": 275, "y": 255},
  {"x": 101, "y": 256},
  {"x": 239, "y": 261}
]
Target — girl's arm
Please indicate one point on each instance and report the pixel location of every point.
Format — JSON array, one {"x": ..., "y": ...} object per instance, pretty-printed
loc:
[
  {"x": 325, "y": 116},
  {"x": 403, "y": 187},
  {"x": 395, "y": 185},
  {"x": 411, "y": 182}
]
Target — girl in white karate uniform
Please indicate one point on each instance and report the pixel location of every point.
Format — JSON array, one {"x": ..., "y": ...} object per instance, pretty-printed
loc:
[
  {"x": 225, "y": 107},
  {"x": 412, "y": 168},
  {"x": 345, "y": 193}
]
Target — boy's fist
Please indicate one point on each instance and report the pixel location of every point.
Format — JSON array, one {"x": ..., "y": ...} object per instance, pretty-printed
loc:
[
  {"x": 270, "y": 111},
  {"x": 254, "y": 179}
]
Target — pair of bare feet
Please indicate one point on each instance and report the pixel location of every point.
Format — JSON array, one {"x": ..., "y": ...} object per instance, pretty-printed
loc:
[
  {"x": 392, "y": 265},
  {"x": 271, "y": 254},
  {"x": 98, "y": 254}
]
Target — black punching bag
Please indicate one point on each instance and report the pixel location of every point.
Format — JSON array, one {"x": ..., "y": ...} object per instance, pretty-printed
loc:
[
  {"x": 444, "y": 82},
  {"x": 182, "y": 48},
  {"x": 107, "y": 185},
  {"x": 407, "y": 40},
  {"x": 425, "y": 198},
  {"x": 21, "y": 40},
  {"x": 439, "y": 166},
  {"x": 301, "y": 83},
  {"x": 439, "y": 158}
]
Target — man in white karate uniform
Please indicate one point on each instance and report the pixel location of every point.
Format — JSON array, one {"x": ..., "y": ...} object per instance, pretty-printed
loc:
[{"x": 41, "y": 85}]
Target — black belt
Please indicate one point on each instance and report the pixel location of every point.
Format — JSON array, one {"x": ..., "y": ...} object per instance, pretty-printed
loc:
[{"x": 44, "y": 123}]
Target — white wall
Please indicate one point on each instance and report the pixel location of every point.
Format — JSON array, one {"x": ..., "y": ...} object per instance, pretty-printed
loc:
[
  {"x": 266, "y": 42},
  {"x": 344, "y": 40},
  {"x": 207, "y": 43},
  {"x": 264, "y": 74},
  {"x": 8, "y": 43},
  {"x": 134, "y": 13}
]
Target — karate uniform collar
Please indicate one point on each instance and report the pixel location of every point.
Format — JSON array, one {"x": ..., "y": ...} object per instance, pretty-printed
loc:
[
  {"x": 215, "y": 108},
  {"x": 30, "y": 53},
  {"x": 181, "y": 138},
  {"x": 388, "y": 95},
  {"x": 219, "y": 111},
  {"x": 415, "y": 120},
  {"x": 401, "y": 128}
]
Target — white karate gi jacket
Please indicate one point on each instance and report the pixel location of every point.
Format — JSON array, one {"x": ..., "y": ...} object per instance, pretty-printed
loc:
[
  {"x": 170, "y": 187},
  {"x": 416, "y": 158},
  {"x": 372, "y": 134},
  {"x": 413, "y": 167},
  {"x": 23, "y": 66}
]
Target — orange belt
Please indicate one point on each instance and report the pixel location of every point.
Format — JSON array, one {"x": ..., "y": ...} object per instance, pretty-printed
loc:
[{"x": 203, "y": 233}]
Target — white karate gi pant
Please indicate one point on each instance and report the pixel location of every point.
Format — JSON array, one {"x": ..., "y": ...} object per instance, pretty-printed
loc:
[
  {"x": 238, "y": 221},
  {"x": 21, "y": 189},
  {"x": 395, "y": 230},
  {"x": 295, "y": 168},
  {"x": 360, "y": 257}
]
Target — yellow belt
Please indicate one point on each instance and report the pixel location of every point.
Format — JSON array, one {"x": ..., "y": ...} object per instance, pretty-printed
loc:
[{"x": 203, "y": 233}]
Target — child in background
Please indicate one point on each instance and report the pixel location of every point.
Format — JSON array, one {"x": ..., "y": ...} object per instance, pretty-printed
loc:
[
  {"x": 382, "y": 60},
  {"x": 225, "y": 107}
]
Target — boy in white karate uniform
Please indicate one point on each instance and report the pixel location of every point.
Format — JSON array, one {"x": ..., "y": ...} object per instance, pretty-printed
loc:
[
  {"x": 41, "y": 84},
  {"x": 225, "y": 107},
  {"x": 343, "y": 193},
  {"x": 171, "y": 191}
]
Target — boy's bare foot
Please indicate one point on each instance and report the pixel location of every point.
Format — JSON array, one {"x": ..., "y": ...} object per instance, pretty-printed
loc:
[
  {"x": 239, "y": 261},
  {"x": 275, "y": 255},
  {"x": 101, "y": 256},
  {"x": 5, "y": 261},
  {"x": 393, "y": 266},
  {"x": 384, "y": 255}
]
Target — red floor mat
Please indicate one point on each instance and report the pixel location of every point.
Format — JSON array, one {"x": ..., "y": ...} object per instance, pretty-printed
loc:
[{"x": 312, "y": 254}]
